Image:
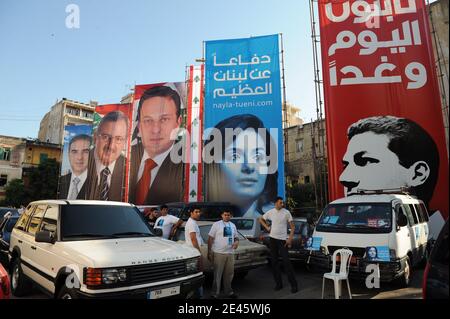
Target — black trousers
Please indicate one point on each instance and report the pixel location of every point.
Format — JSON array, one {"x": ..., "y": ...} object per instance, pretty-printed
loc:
[{"x": 277, "y": 248}]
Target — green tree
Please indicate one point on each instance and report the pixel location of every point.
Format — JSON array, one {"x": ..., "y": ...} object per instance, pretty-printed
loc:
[
  {"x": 44, "y": 180},
  {"x": 302, "y": 194},
  {"x": 15, "y": 193}
]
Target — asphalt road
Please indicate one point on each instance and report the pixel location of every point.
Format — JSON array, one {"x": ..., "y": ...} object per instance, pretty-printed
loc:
[{"x": 259, "y": 284}]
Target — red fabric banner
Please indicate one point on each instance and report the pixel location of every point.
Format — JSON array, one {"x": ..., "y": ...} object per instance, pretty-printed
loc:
[{"x": 379, "y": 76}]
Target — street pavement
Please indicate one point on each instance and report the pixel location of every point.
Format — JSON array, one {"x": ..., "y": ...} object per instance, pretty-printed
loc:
[{"x": 259, "y": 284}]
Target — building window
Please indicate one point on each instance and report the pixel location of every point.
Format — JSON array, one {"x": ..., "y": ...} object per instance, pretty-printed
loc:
[
  {"x": 299, "y": 146},
  {"x": 307, "y": 180},
  {"x": 73, "y": 111},
  {"x": 3, "y": 180},
  {"x": 5, "y": 154},
  {"x": 43, "y": 157},
  {"x": 88, "y": 115}
]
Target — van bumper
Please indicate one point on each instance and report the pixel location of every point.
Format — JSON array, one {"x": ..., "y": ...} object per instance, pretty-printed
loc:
[
  {"x": 187, "y": 290},
  {"x": 389, "y": 271}
]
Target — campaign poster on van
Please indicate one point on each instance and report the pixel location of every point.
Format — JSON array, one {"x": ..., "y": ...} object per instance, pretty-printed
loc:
[
  {"x": 108, "y": 158},
  {"x": 74, "y": 164},
  {"x": 243, "y": 98},
  {"x": 383, "y": 110},
  {"x": 157, "y": 158}
]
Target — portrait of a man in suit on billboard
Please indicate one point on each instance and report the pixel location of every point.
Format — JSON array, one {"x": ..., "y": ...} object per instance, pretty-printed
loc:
[
  {"x": 73, "y": 184},
  {"x": 154, "y": 178},
  {"x": 106, "y": 162}
]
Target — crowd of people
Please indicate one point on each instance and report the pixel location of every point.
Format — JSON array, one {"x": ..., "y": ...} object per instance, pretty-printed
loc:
[{"x": 223, "y": 240}]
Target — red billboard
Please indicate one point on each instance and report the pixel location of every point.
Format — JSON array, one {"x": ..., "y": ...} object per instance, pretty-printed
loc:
[{"x": 383, "y": 110}]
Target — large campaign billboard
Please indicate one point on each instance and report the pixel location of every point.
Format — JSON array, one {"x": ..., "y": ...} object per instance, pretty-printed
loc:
[
  {"x": 243, "y": 148},
  {"x": 383, "y": 110},
  {"x": 108, "y": 158},
  {"x": 157, "y": 158},
  {"x": 74, "y": 165}
]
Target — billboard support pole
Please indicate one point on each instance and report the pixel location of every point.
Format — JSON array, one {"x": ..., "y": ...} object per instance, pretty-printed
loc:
[
  {"x": 442, "y": 72},
  {"x": 285, "y": 115},
  {"x": 321, "y": 176}
]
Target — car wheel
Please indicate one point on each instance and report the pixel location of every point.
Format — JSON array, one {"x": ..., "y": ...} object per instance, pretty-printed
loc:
[
  {"x": 20, "y": 286},
  {"x": 405, "y": 279},
  {"x": 66, "y": 293}
]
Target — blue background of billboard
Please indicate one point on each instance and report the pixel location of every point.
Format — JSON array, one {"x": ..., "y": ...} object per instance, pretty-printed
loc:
[
  {"x": 248, "y": 48},
  {"x": 71, "y": 131}
]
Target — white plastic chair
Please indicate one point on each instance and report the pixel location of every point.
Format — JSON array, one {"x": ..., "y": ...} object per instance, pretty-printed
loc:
[{"x": 346, "y": 256}]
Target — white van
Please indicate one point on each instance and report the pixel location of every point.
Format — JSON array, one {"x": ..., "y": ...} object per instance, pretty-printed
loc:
[{"x": 390, "y": 230}]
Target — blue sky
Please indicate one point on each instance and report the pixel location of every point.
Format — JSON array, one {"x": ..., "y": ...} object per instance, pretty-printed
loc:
[{"x": 120, "y": 43}]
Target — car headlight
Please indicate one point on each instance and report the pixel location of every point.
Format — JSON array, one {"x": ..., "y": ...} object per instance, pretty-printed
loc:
[
  {"x": 192, "y": 265},
  {"x": 392, "y": 254},
  {"x": 114, "y": 276}
]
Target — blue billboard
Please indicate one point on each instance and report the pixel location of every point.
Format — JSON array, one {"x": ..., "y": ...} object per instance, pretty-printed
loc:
[{"x": 243, "y": 153}]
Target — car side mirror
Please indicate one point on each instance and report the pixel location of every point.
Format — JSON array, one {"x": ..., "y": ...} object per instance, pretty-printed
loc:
[
  {"x": 44, "y": 236},
  {"x": 157, "y": 232},
  {"x": 401, "y": 220}
]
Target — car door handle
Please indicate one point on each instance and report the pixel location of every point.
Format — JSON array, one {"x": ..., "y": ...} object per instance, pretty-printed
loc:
[
  {"x": 33, "y": 247},
  {"x": 20, "y": 242}
]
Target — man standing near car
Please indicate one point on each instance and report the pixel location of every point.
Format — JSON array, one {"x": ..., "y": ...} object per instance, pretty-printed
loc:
[
  {"x": 193, "y": 237},
  {"x": 222, "y": 242},
  {"x": 280, "y": 219},
  {"x": 151, "y": 214},
  {"x": 168, "y": 223}
]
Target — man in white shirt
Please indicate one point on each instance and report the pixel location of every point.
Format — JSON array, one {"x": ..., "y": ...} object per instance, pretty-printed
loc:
[
  {"x": 154, "y": 178},
  {"x": 280, "y": 219},
  {"x": 72, "y": 185},
  {"x": 193, "y": 237},
  {"x": 168, "y": 223},
  {"x": 222, "y": 242}
]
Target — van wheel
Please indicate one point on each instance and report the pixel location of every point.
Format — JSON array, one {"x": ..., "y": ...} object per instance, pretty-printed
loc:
[
  {"x": 66, "y": 293},
  {"x": 405, "y": 279},
  {"x": 20, "y": 286}
]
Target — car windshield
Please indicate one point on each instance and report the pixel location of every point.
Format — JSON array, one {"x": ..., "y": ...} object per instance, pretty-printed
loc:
[
  {"x": 357, "y": 217},
  {"x": 82, "y": 222},
  {"x": 301, "y": 228},
  {"x": 243, "y": 224}
]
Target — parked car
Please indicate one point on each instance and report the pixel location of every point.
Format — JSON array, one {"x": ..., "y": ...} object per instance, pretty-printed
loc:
[
  {"x": 303, "y": 230},
  {"x": 250, "y": 228},
  {"x": 4, "y": 283},
  {"x": 4, "y": 210},
  {"x": 388, "y": 228},
  {"x": 6, "y": 227},
  {"x": 435, "y": 278},
  {"x": 210, "y": 210},
  {"x": 97, "y": 249},
  {"x": 249, "y": 255}
]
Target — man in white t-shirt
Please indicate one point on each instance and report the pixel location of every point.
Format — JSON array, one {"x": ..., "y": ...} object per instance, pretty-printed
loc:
[
  {"x": 193, "y": 237},
  {"x": 279, "y": 241},
  {"x": 168, "y": 223},
  {"x": 223, "y": 240}
]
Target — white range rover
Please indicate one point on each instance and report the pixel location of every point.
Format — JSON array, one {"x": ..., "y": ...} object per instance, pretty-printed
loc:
[{"x": 94, "y": 249}]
